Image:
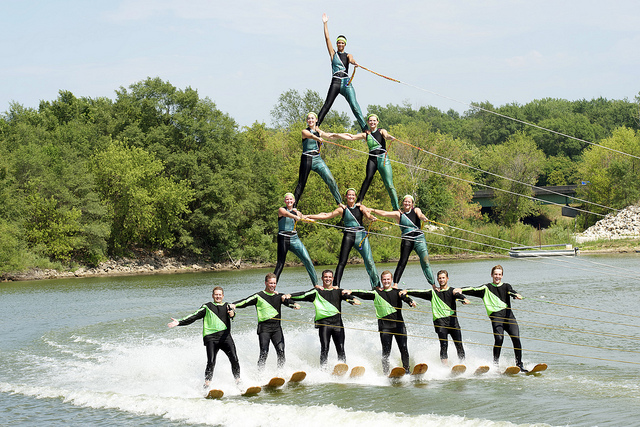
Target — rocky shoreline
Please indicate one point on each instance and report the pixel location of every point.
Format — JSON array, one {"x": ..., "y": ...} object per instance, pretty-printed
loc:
[{"x": 621, "y": 225}]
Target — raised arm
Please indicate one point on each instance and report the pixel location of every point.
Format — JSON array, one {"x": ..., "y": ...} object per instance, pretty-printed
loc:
[{"x": 325, "y": 19}]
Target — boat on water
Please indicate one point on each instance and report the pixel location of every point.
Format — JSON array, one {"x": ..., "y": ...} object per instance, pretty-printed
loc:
[{"x": 543, "y": 251}]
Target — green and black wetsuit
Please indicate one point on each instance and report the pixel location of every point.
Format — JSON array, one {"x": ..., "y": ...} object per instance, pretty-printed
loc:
[
  {"x": 378, "y": 161},
  {"x": 340, "y": 85},
  {"x": 355, "y": 233},
  {"x": 445, "y": 319},
  {"x": 311, "y": 161},
  {"x": 268, "y": 308},
  {"x": 288, "y": 240},
  {"x": 216, "y": 334},
  {"x": 328, "y": 318},
  {"x": 498, "y": 305},
  {"x": 388, "y": 304}
]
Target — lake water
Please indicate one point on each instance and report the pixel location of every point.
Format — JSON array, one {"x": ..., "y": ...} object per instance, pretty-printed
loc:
[{"x": 98, "y": 352}]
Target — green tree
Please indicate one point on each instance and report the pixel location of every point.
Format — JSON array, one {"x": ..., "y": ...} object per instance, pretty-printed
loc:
[
  {"x": 613, "y": 179},
  {"x": 293, "y": 107},
  {"x": 519, "y": 160},
  {"x": 50, "y": 229},
  {"x": 47, "y": 152},
  {"x": 558, "y": 170},
  {"x": 145, "y": 207}
]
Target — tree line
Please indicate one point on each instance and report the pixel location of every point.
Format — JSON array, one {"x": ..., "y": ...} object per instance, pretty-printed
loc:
[{"x": 159, "y": 167}]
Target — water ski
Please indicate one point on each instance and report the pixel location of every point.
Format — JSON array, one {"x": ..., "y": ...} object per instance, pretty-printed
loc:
[
  {"x": 481, "y": 370},
  {"x": 357, "y": 371},
  {"x": 511, "y": 370},
  {"x": 538, "y": 368},
  {"x": 420, "y": 369},
  {"x": 252, "y": 391},
  {"x": 397, "y": 372},
  {"x": 340, "y": 369},
  {"x": 458, "y": 370},
  {"x": 297, "y": 377},
  {"x": 275, "y": 382},
  {"x": 215, "y": 394}
]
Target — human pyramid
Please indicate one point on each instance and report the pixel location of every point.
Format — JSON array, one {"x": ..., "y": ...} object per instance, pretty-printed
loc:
[{"x": 328, "y": 296}]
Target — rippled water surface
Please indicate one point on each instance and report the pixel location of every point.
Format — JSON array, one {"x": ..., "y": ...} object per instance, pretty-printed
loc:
[{"x": 98, "y": 352}]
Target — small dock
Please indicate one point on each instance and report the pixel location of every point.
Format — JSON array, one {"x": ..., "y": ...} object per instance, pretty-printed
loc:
[{"x": 543, "y": 251}]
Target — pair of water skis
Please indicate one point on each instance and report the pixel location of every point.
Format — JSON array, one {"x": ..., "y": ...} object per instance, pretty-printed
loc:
[
  {"x": 418, "y": 370},
  {"x": 342, "y": 368},
  {"x": 277, "y": 382},
  {"x": 273, "y": 383},
  {"x": 218, "y": 394},
  {"x": 513, "y": 370},
  {"x": 461, "y": 369}
]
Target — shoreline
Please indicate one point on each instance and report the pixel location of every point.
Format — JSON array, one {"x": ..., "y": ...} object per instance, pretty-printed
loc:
[{"x": 157, "y": 263}]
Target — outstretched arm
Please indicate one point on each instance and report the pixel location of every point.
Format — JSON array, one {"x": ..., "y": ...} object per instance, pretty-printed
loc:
[
  {"x": 350, "y": 137},
  {"x": 325, "y": 19},
  {"x": 325, "y": 215},
  {"x": 387, "y": 214}
]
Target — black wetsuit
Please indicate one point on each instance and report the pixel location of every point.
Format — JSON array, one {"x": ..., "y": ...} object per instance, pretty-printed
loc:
[
  {"x": 268, "y": 309},
  {"x": 328, "y": 318},
  {"x": 388, "y": 304},
  {"x": 216, "y": 331},
  {"x": 445, "y": 319},
  {"x": 498, "y": 305}
]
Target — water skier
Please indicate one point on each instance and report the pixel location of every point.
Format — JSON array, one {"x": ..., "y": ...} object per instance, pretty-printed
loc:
[
  {"x": 443, "y": 309},
  {"x": 353, "y": 233},
  {"x": 340, "y": 61},
  {"x": 412, "y": 238},
  {"x": 388, "y": 304},
  {"x": 288, "y": 239},
  {"x": 268, "y": 305},
  {"x": 216, "y": 332},
  {"x": 495, "y": 297},
  {"x": 378, "y": 158},
  {"x": 328, "y": 318},
  {"x": 311, "y": 160}
]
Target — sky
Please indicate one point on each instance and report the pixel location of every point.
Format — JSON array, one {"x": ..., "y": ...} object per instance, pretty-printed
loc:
[{"x": 244, "y": 54}]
